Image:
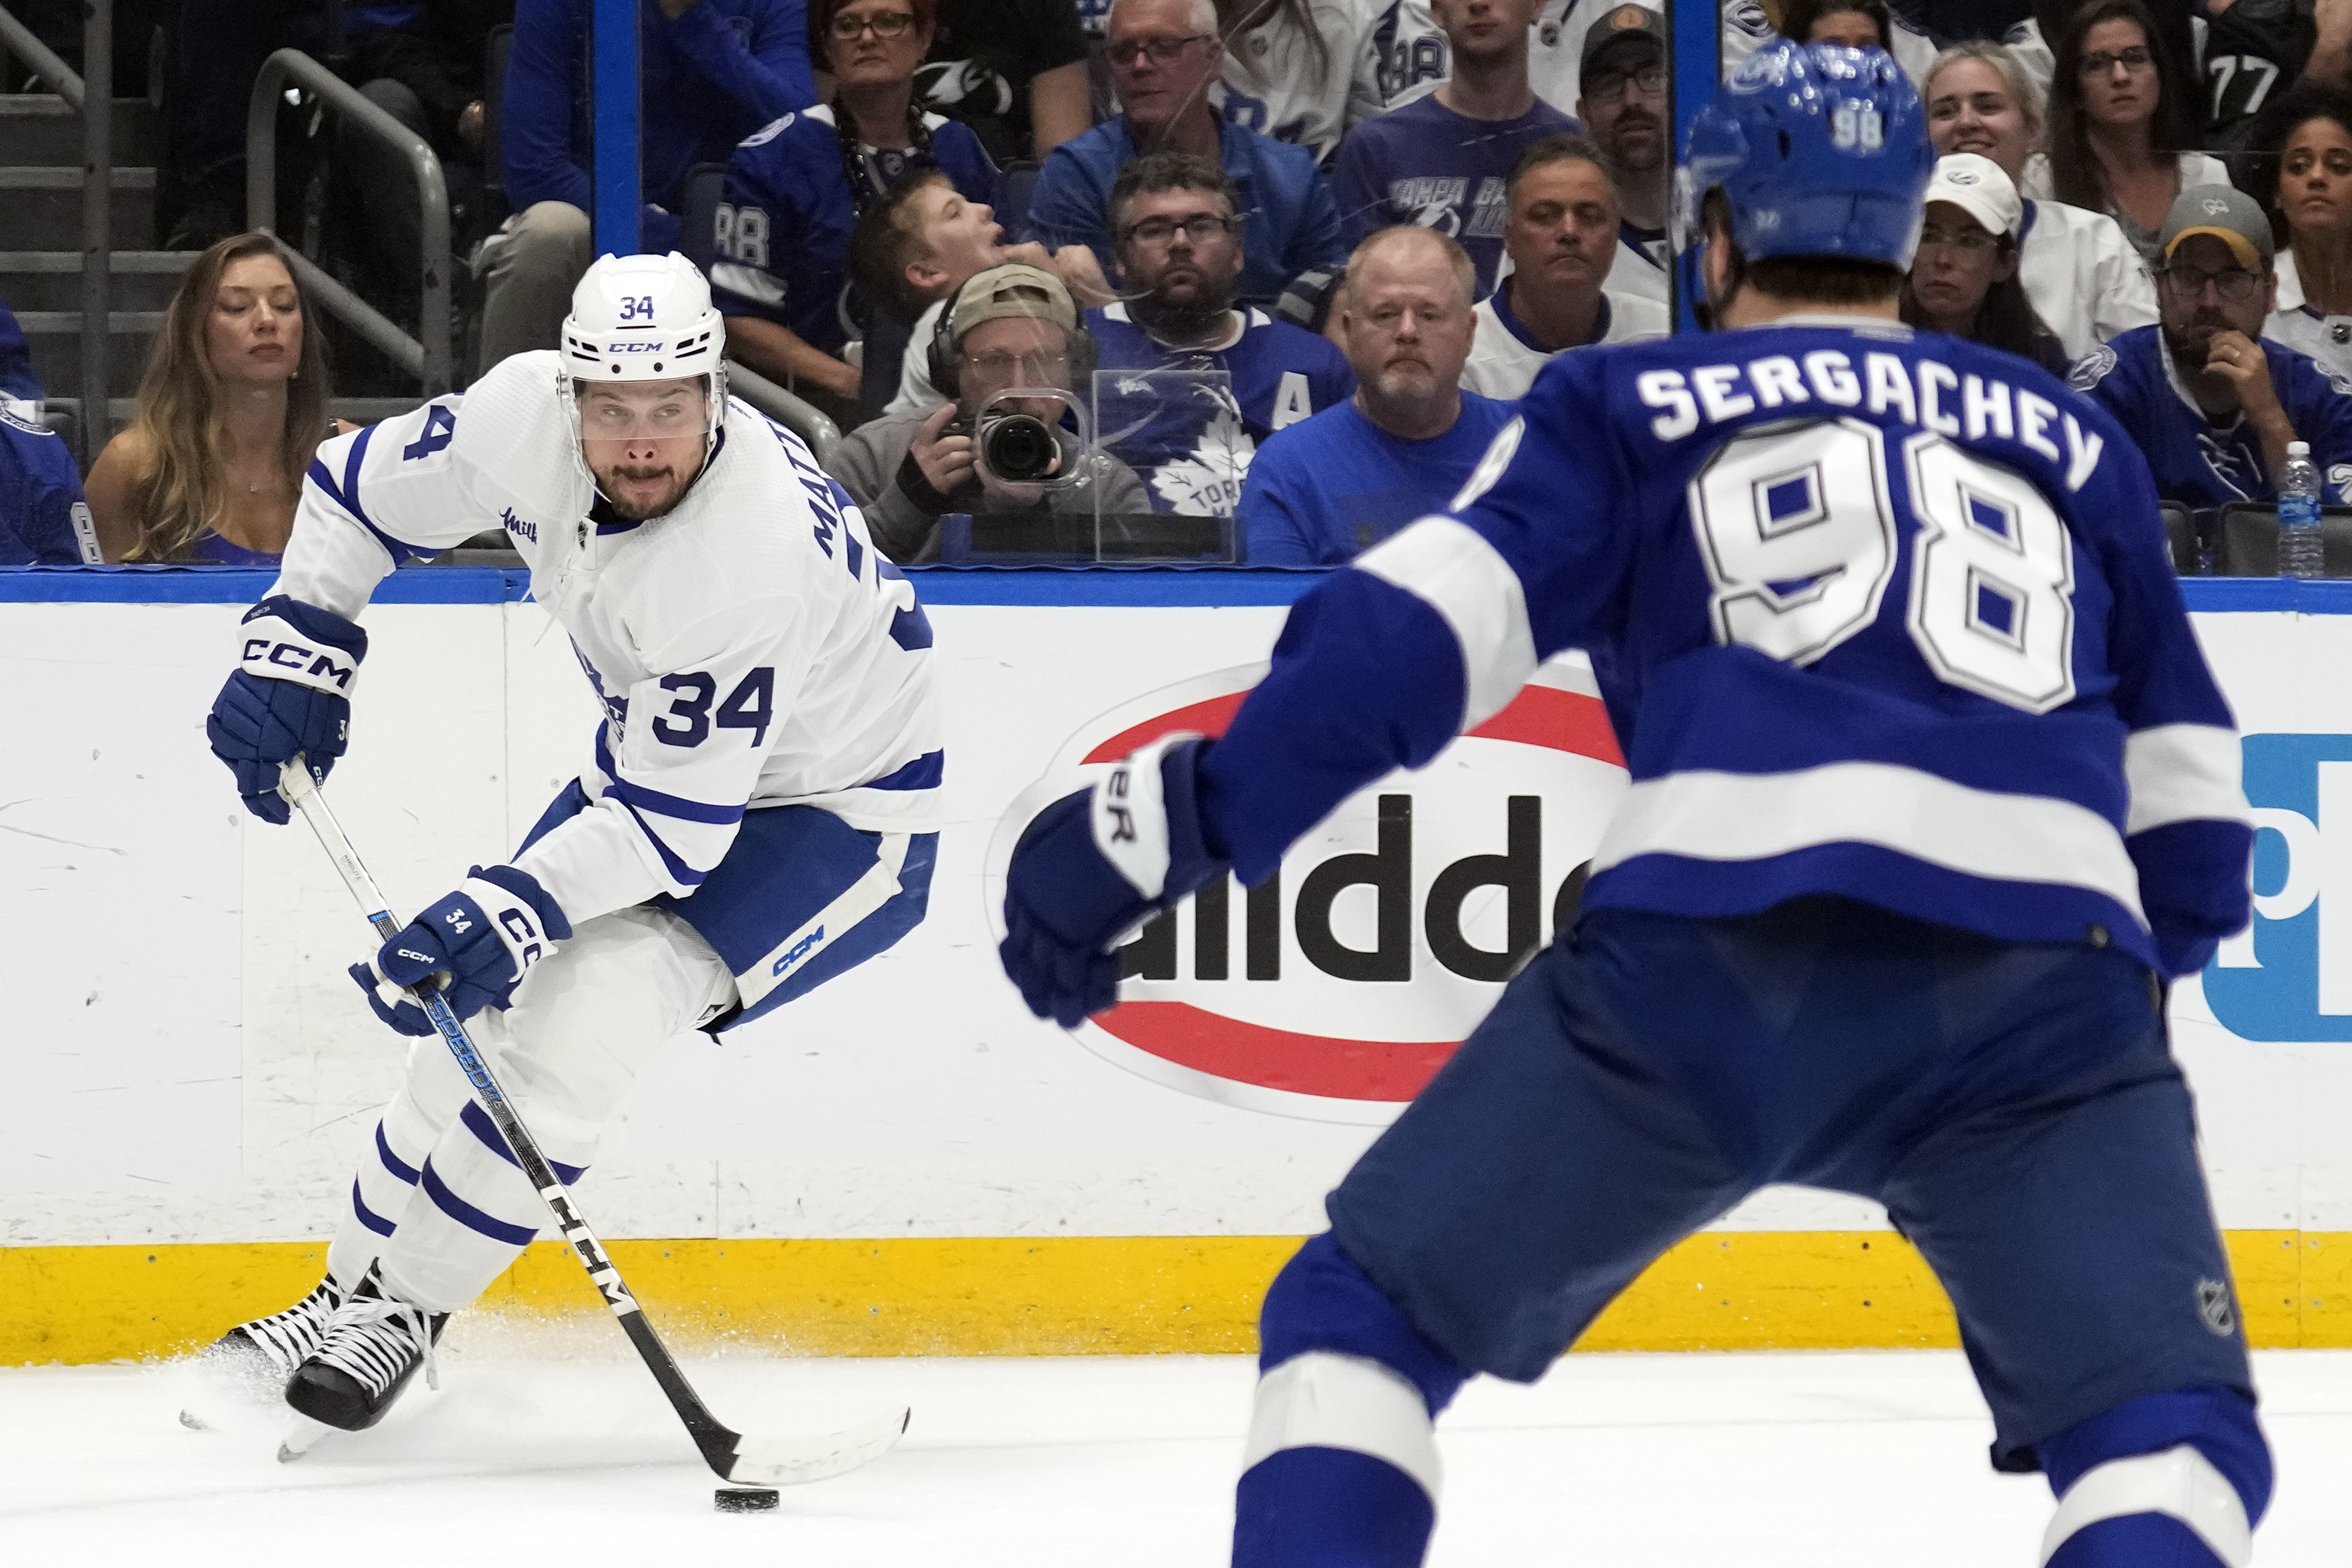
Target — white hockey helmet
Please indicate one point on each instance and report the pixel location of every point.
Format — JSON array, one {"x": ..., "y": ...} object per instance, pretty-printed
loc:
[{"x": 644, "y": 317}]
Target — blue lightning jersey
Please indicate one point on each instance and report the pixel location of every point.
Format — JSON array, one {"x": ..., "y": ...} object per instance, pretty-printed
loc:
[
  {"x": 2200, "y": 462},
  {"x": 1876, "y": 615},
  {"x": 43, "y": 519},
  {"x": 782, "y": 239}
]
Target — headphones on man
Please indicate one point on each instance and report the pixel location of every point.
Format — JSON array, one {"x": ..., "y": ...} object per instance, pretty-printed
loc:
[{"x": 942, "y": 360}]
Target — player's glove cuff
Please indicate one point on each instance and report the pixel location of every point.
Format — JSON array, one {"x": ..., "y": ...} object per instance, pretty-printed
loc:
[
  {"x": 288, "y": 695},
  {"x": 283, "y": 638},
  {"x": 1096, "y": 865},
  {"x": 477, "y": 943}
]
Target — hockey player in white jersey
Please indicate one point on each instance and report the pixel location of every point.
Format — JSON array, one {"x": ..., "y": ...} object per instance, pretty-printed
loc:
[{"x": 755, "y": 814}]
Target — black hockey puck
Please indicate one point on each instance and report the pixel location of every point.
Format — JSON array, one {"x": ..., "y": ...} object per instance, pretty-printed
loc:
[{"x": 744, "y": 1499}]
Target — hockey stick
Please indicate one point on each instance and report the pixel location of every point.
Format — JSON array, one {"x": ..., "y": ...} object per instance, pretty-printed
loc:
[{"x": 755, "y": 1461}]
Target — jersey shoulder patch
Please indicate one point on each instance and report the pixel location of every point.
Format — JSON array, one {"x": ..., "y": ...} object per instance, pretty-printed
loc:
[
  {"x": 2091, "y": 369},
  {"x": 769, "y": 132},
  {"x": 24, "y": 416}
]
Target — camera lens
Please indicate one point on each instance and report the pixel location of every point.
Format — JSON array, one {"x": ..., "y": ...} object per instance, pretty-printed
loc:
[{"x": 1019, "y": 448}]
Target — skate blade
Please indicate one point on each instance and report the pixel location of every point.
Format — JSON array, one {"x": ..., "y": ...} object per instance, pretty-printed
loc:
[{"x": 301, "y": 1438}]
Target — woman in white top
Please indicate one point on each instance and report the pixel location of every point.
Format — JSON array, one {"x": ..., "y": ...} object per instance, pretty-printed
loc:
[
  {"x": 2117, "y": 131},
  {"x": 2310, "y": 132},
  {"x": 2081, "y": 276}
]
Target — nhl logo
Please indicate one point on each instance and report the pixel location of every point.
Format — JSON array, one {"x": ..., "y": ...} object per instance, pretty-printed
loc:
[{"x": 2213, "y": 1307}]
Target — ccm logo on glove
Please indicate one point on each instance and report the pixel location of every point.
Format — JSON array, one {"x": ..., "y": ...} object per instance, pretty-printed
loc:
[{"x": 475, "y": 943}]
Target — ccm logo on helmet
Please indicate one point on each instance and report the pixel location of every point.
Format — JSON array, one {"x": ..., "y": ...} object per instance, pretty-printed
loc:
[
  {"x": 633, "y": 348},
  {"x": 1336, "y": 988}
]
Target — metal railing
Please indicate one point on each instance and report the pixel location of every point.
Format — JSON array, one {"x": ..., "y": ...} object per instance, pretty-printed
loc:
[
  {"x": 432, "y": 356},
  {"x": 97, "y": 180},
  {"x": 797, "y": 415}
]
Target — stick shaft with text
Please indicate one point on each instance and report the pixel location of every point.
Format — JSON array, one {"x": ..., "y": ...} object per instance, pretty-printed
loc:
[{"x": 763, "y": 1462}]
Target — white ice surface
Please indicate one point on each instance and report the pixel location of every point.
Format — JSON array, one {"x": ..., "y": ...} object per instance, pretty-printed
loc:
[{"x": 1808, "y": 1461}]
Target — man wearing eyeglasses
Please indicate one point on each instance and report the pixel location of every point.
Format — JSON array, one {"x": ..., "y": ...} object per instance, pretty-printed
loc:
[
  {"x": 1010, "y": 327},
  {"x": 1623, "y": 107},
  {"x": 1182, "y": 251},
  {"x": 2206, "y": 398},
  {"x": 1164, "y": 58}
]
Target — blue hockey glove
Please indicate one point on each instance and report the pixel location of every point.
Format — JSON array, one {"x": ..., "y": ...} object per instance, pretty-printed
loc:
[
  {"x": 477, "y": 943},
  {"x": 290, "y": 694},
  {"x": 1093, "y": 866}
]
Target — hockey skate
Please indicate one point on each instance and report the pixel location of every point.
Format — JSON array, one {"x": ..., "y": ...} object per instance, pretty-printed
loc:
[
  {"x": 254, "y": 1359},
  {"x": 374, "y": 1345}
]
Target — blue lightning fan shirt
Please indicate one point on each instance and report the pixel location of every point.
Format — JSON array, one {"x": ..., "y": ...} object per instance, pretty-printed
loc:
[
  {"x": 1322, "y": 492},
  {"x": 1423, "y": 163},
  {"x": 783, "y": 240},
  {"x": 2198, "y": 462},
  {"x": 1875, "y": 615},
  {"x": 1281, "y": 375},
  {"x": 43, "y": 519}
]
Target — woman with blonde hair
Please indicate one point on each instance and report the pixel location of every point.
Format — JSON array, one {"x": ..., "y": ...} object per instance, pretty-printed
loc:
[
  {"x": 231, "y": 407},
  {"x": 2084, "y": 279}
]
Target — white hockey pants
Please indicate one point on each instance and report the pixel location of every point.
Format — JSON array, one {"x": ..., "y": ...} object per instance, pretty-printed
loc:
[{"x": 438, "y": 1197}]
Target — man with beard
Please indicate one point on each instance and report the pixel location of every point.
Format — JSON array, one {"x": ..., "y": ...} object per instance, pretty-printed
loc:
[
  {"x": 1180, "y": 256},
  {"x": 1164, "y": 58},
  {"x": 756, "y": 812},
  {"x": 1344, "y": 480},
  {"x": 1624, "y": 108},
  {"x": 2210, "y": 401},
  {"x": 1561, "y": 237}
]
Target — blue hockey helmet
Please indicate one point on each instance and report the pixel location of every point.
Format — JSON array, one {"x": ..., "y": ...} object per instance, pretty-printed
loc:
[{"x": 1821, "y": 151}]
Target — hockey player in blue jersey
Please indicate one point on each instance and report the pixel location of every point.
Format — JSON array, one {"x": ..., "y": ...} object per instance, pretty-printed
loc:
[{"x": 1932, "y": 791}]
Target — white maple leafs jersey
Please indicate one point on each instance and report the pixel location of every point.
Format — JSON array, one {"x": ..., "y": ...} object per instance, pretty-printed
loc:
[{"x": 749, "y": 649}]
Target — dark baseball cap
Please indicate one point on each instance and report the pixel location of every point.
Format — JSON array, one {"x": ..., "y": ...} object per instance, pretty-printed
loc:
[{"x": 1623, "y": 22}]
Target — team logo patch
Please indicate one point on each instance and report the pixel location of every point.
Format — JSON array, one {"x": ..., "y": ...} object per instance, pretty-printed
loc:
[
  {"x": 1960, "y": 177},
  {"x": 2091, "y": 369},
  {"x": 2214, "y": 207},
  {"x": 768, "y": 132},
  {"x": 2215, "y": 1310}
]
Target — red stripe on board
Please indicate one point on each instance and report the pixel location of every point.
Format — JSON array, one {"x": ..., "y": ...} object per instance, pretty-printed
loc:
[
  {"x": 1538, "y": 715},
  {"x": 1208, "y": 716},
  {"x": 1563, "y": 720},
  {"x": 1386, "y": 1071}
]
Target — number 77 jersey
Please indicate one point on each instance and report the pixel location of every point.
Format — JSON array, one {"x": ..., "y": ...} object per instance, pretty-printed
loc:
[{"x": 1878, "y": 614}]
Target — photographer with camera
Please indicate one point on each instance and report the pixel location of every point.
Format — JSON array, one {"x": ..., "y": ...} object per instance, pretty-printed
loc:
[{"x": 1011, "y": 327}]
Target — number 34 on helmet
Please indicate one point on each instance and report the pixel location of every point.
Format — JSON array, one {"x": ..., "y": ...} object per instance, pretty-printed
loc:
[
  {"x": 1819, "y": 148},
  {"x": 645, "y": 319}
]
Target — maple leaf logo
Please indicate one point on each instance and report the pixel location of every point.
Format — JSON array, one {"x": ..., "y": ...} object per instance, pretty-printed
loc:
[{"x": 1207, "y": 481}]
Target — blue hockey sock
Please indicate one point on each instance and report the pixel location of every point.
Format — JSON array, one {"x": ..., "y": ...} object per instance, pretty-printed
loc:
[
  {"x": 1342, "y": 1469},
  {"x": 2167, "y": 1481}
]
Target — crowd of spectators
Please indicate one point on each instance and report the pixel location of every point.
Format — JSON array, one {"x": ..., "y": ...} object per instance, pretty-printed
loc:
[{"x": 1336, "y": 238}]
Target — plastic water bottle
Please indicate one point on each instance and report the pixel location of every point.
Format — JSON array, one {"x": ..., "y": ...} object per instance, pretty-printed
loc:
[{"x": 2300, "y": 553}]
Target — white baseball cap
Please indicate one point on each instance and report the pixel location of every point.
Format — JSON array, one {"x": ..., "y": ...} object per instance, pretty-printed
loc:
[{"x": 1979, "y": 187}]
